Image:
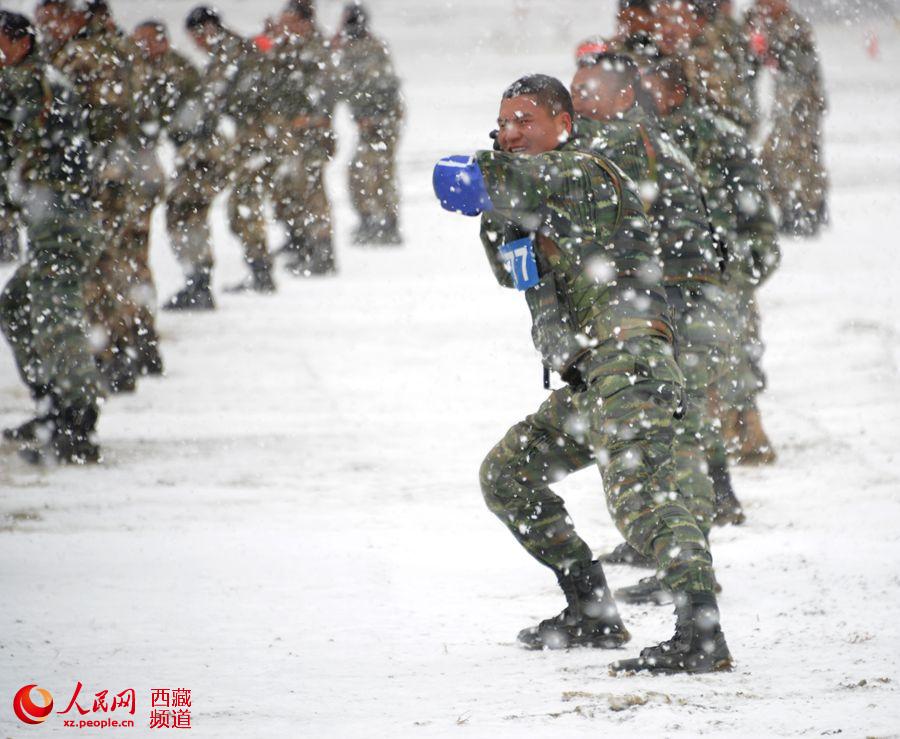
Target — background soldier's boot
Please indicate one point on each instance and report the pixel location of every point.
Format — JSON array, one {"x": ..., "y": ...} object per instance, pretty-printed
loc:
[
  {"x": 260, "y": 279},
  {"x": 386, "y": 232},
  {"x": 195, "y": 295},
  {"x": 322, "y": 259},
  {"x": 118, "y": 370},
  {"x": 39, "y": 426},
  {"x": 70, "y": 442},
  {"x": 9, "y": 244},
  {"x": 698, "y": 645},
  {"x": 728, "y": 508},
  {"x": 149, "y": 361},
  {"x": 646, "y": 590},
  {"x": 589, "y": 620},
  {"x": 625, "y": 554},
  {"x": 362, "y": 234},
  {"x": 755, "y": 446}
]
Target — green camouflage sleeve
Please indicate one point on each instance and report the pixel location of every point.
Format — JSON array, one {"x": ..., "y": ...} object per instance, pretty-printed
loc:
[
  {"x": 562, "y": 191},
  {"x": 495, "y": 231}
]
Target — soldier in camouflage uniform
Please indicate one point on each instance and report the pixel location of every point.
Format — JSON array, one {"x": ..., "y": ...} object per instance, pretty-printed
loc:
[
  {"x": 572, "y": 226},
  {"x": 42, "y": 311},
  {"x": 611, "y": 123},
  {"x": 687, "y": 30},
  {"x": 301, "y": 91},
  {"x": 739, "y": 207},
  {"x": 634, "y": 33},
  {"x": 792, "y": 157},
  {"x": 369, "y": 85},
  {"x": 103, "y": 66},
  {"x": 164, "y": 104},
  {"x": 233, "y": 87}
]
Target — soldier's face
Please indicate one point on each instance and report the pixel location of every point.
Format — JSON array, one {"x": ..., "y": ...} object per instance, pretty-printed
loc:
[
  {"x": 13, "y": 51},
  {"x": 526, "y": 127},
  {"x": 665, "y": 99},
  {"x": 151, "y": 42},
  {"x": 595, "y": 94},
  {"x": 675, "y": 27},
  {"x": 772, "y": 8},
  {"x": 206, "y": 36},
  {"x": 53, "y": 21},
  {"x": 633, "y": 21}
]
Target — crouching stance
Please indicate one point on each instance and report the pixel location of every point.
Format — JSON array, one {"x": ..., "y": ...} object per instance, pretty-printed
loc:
[{"x": 567, "y": 229}]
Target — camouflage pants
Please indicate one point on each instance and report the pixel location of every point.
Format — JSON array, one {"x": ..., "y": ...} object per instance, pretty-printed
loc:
[
  {"x": 624, "y": 421},
  {"x": 119, "y": 292},
  {"x": 301, "y": 201},
  {"x": 745, "y": 378},
  {"x": 9, "y": 226},
  {"x": 251, "y": 187},
  {"x": 197, "y": 182},
  {"x": 705, "y": 342},
  {"x": 42, "y": 311},
  {"x": 372, "y": 176},
  {"x": 793, "y": 162}
]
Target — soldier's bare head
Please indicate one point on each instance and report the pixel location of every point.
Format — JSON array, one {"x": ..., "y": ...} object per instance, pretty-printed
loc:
[
  {"x": 604, "y": 86},
  {"x": 152, "y": 38},
  {"x": 205, "y": 27},
  {"x": 773, "y": 8},
  {"x": 17, "y": 38},
  {"x": 354, "y": 21},
  {"x": 666, "y": 86},
  {"x": 676, "y": 24},
  {"x": 58, "y": 20},
  {"x": 634, "y": 17},
  {"x": 536, "y": 115}
]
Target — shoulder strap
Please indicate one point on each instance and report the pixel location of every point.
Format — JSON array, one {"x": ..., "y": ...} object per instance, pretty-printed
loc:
[{"x": 616, "y": 178}]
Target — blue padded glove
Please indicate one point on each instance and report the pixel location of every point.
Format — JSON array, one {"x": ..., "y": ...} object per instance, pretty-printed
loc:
[{"x": 459, "y": 186}]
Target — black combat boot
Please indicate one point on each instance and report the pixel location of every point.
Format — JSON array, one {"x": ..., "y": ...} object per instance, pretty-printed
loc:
[
  {"x": 625, "y": 554},
  {"x": 698, "y": 645},
  {"x": 728, "y": 507},
  {"x": 362, "y": 234},
  {"x": 259, "y": 281},
  {"x": 589, "y": 620},
  {"x": 70, "y": 442},
  {"x": 149, "y": 361},
  {"x": 387, "y": 232},
  {"x": 119, "y": 371},
  {"x": 30, "y": 430},
  {"x": 195, "y": 295},
  {"x": 646, "y": 590}
]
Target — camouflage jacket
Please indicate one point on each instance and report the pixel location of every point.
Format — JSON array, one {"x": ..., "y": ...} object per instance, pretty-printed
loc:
[
  {"x": 366, "y": 79},
  {"x": 735, "y": 194},
  {"x": 44, "y": 138},
  {"x": 790, "y": 48},
  {"x": 103, "y": 67},
  {"x": 726, "y": 33},
  {"x": 600, "y": 278},
  {"x": 165, "y": 92},
  {"x": 233, "y": 82},
  {"x": 670, "y": 188},
  {"x": 300, "y": 80}
]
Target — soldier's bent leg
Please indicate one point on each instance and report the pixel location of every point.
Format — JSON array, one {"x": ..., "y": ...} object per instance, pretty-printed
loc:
[{"x": 516, "y": 476}]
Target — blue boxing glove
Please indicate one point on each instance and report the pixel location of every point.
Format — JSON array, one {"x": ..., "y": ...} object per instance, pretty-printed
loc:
[{"x": 459, "y": 186}]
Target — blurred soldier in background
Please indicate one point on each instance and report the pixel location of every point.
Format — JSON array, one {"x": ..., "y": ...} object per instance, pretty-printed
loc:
[
  {"x": 634, "y": 33},
  {"x": 42, "y": 311},
  {"x": 610, "y": 122},
  {"x": 739, "y": 208},
  {"x": 301, "y": 90},
  {"x": 369, "y": 85},
  {"x": 233, "y": 89},
  {"x": 792, "y": 156},
  {"x": 103, "y": 66},
  {"x": 684, "y": 30}
]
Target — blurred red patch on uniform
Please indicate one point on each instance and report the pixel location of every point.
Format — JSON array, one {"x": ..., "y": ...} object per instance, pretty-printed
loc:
[{"x": 263, "y": 43}]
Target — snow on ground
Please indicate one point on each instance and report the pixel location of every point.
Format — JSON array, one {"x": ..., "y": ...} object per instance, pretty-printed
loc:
[{"x": 289, "y": 524}]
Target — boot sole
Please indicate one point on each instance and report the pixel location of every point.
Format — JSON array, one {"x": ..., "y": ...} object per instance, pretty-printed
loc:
[
  {"x": 610, "y": 642},
  {"x": 723, "y": 665}
]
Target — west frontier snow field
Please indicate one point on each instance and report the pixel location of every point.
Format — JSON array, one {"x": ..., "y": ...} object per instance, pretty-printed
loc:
[{"x": 290, "y": 525}]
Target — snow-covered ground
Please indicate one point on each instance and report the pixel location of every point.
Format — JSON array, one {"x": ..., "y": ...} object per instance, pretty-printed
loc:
[{"x": 289, "y": 524}]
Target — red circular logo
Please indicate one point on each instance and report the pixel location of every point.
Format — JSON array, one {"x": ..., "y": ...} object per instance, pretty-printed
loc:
[{"x": 27, "y": 710}]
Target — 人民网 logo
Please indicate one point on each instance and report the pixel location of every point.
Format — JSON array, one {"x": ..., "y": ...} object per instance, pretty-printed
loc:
[{"x": 27, "y": 710}]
